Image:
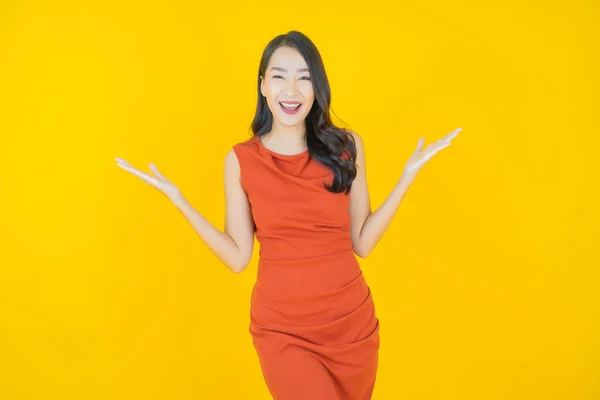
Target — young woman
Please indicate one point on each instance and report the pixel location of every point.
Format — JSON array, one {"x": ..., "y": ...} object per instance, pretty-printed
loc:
[{"x": 299, "y": 184}]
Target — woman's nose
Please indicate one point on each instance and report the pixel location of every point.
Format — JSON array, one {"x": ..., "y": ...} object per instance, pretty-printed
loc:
[{"x": 290, "y": 87}]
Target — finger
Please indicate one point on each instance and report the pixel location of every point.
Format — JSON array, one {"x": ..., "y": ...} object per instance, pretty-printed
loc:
[
  {"x": 449, "y": 137},
  {"x": 441, "y": 145},
  {"x": 420, "y": 144},
  {"x": 145, "y": 177},
  {"x": 435, "y": 148},
  {"x": 121, "y": 161},
  {"x": 438, "y": 149},
  {"x": 453, "y": 134},
  {"x": 157, "y": 172},
  {"x": 445, "y": 141},
  {"x": 149, "y": 179}
]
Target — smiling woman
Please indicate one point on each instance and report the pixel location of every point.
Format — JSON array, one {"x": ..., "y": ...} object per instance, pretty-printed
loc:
[
  {"x": 299, "y": 185},
  {"x": 293, "y": 105},
  {"x": 296, "y": 173}
]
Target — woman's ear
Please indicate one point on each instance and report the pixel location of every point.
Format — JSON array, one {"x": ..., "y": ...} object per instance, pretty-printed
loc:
[{"x": 262, "y": 84}]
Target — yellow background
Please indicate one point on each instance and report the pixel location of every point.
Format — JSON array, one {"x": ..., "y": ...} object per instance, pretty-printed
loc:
[{"x": 486, "y": 283}]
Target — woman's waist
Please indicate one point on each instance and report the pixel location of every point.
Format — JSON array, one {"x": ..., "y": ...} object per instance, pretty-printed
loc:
[
  {"x": 292, "y": 256},
  {"x": 309, "y": 276},
  {"x": 296, "y": 250}
]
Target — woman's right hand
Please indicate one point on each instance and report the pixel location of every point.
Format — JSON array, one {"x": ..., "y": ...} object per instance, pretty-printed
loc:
[{"x": 159, "y": 181}]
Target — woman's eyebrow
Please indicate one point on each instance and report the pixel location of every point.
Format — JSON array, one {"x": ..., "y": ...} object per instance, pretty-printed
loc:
[{"x": 285, "y": 70}]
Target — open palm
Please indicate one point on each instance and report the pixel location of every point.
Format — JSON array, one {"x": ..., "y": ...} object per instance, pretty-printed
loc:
[
  {"x": 421, "y": 156},
  {"x": 159, "y": 181}
]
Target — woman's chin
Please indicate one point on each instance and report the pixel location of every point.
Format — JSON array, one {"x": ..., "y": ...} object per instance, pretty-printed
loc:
[{"x": 290, "y": 120}]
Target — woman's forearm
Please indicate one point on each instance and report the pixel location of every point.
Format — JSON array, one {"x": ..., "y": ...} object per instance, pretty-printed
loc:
[
  {"x": 378, "y": 221},
  {"x": 221, "y": 244}
]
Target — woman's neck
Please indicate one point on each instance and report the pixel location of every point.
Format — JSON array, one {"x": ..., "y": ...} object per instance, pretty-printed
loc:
[{"x": 288, "y": 137}]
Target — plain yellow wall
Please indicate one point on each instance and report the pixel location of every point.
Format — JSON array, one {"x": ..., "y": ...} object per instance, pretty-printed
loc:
[{"x": 486, "y": 283}]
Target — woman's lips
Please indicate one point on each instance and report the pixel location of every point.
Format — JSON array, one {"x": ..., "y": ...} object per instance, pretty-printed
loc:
[{"x": 287, "y": 110}]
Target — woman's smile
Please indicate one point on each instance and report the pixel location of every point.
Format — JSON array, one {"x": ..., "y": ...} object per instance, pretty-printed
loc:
[{"x": 290, "y": 107}]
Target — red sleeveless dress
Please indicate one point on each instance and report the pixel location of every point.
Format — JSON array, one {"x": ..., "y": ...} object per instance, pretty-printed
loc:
[{"x": 312, "y": 316}]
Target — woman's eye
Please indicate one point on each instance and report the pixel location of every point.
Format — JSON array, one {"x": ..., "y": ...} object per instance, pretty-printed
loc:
[{"x": 304, "y": 77}]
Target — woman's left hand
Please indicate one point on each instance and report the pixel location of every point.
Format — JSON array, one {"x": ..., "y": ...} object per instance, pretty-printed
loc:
[{"x": 420, "y": 156}]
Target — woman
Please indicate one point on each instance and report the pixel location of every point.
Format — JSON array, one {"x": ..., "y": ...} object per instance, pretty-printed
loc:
[{"x": 299, "y": 183}]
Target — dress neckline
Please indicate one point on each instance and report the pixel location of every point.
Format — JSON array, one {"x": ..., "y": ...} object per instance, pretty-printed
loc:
[{"x": 279, "y": 155}]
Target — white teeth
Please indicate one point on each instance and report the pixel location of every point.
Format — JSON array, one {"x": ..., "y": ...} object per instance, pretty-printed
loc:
[{"x": 289, "y": 106}]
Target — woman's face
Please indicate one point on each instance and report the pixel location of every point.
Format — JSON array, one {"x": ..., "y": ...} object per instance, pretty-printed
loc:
[{"x": 287, "y": 82}]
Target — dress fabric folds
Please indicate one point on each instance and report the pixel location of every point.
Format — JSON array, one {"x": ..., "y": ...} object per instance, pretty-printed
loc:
[{"x": 312, "y": 316}]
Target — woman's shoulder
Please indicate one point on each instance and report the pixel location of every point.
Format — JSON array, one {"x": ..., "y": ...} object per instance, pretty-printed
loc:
[
  {"x": 246, "y": 147},
  {"x": 248, "y": 143}
]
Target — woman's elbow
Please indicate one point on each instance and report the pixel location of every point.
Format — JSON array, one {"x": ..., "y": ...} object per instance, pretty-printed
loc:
[
  {"x": 360, "y": 252},
  {"x": 240, "y": 265},
  {"x": 238, "y": 269}
]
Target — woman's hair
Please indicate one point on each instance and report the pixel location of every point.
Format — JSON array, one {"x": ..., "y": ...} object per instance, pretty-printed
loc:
[{"x": 328, "y": 144}]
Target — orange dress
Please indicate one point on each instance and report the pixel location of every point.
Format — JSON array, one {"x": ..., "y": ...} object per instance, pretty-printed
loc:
[{"x": 312, "y": 317}]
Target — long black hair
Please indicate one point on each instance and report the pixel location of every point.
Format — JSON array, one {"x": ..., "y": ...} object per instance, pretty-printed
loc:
[{"x": 328, "y": 144}]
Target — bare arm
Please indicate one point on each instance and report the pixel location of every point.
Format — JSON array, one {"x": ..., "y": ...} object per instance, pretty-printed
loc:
[
  {"x": 235, "y": 245},
  {"x": 367, "y": 228}
]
